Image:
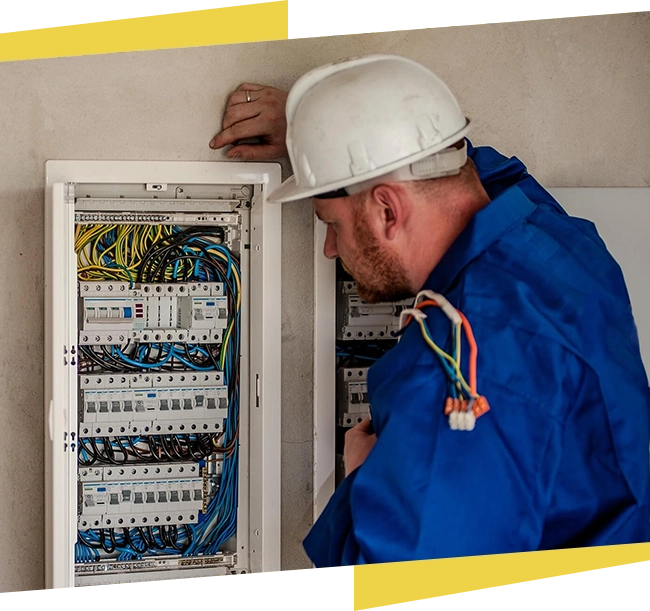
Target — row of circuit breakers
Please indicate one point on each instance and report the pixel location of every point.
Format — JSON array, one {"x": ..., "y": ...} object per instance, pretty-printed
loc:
[
  {"x": 129, "y": 405},
  {"x": 113, "y": 312},
  {"x": 358, "y": 321}
]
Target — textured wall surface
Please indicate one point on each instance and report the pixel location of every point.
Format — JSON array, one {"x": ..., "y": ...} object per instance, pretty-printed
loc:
[{"x": 568, "y": 97}]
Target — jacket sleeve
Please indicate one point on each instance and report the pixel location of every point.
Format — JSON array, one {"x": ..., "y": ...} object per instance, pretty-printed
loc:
[{"x": 426, "y": 491}]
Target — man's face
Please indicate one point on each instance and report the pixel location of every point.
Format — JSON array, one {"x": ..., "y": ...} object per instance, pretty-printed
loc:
[{"x": 364, "y": 253}]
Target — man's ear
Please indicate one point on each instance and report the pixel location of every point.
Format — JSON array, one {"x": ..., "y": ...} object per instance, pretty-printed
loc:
[{"x": 389, "y": 209}]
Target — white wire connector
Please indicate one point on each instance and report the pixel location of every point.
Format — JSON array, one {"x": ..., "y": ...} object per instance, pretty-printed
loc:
[
  {"x": 462, "y": 413},
  {"x": 445, "y": 306},
  {"x": 462, "y": 421}
]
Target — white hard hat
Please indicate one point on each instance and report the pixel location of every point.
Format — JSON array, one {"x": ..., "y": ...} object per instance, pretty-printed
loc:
[{"x": 379, "y": 116}]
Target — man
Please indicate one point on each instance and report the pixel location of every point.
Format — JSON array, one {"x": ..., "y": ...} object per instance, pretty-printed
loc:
[{"x": 561, "y": 458}]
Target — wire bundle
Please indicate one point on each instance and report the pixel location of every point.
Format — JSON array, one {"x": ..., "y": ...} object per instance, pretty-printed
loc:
[
  {"x": 152, "y": 449},
  {"x": 463, "y": 404},
  {"x": 133, "y": 543},
  {"x": 136, "y": 357},
  {"x": 114, "y": 252},
  {"x": 147, "y": 254}
]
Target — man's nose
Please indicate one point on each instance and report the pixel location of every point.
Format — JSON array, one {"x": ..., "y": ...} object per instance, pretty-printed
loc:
[{"x": 330, "y": 250}]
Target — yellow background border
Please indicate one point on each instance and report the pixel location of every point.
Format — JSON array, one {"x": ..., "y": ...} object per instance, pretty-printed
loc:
[{"x": 78, "y": 27}]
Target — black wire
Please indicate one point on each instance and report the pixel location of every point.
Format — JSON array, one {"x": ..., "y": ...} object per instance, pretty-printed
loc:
[
  {"x": 189, "y": 536},
  {"x": 147, "y": 353},
  {"x": 176, "y": 447},
  {"x": 102, "y": 540},
  {"x": 206, "y": 444},
  {"x": 127, "y": 535},
  {"x": 144, "y": 534},
  {"x": 154, "y": 447},
  {"x": 116, "y": 361},
  {"x": 91, "y": 544},
  {"x": 174, "y": 539},
  {"x": 123, "y": 450},
  {"x": 108, "y": 450},
  {"x": 114, "y": 539},
  {"x": 190, "y": 358},
  {"x": 191, "y": 447},
  {"x": 164, "y": 535},
  {"x": 164, "y": 253},
  {"x": 90, "y": 354},
  {"x": 154, "y": 543},
  {"x": 168, "y": 243},
  {"x": 160, "y": 270},
  {"x": 92, "y": 454},
  {"x": 209, "y": 348},
  {"x": 100, "y": 457},
  {"x": 136, "y": 450}
]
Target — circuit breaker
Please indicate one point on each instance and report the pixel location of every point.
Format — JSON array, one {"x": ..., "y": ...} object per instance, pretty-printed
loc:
[
  {"x": 162, "y": 370},
  {"x": 352, "y": 395}
]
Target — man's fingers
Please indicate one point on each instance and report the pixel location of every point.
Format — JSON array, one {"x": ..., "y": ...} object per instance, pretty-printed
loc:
[
  {"x": 254, "y": 152},
  {"x": 262, "y": 117},
  {"x": 362, "y": 427},
  {"x": 239, "y": 98},
  {"x": 239, "y": 95},
  {"x": 244, "y": 129},
  {"x": 240, "y": 112},
  {"x": 250, "y": 87}
]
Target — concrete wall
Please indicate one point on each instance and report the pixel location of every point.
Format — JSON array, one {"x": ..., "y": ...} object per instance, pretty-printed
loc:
[{"x": 569, "y": 97}]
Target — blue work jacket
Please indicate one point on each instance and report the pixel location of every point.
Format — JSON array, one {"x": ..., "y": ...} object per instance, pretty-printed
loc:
[{"x": 562, "y": 458}]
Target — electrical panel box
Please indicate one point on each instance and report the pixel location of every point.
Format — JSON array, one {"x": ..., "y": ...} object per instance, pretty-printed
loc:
[{"x": 162, "y": 398}]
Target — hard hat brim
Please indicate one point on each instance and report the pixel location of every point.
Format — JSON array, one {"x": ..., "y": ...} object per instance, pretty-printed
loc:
[{"x": 290, "y": 191}]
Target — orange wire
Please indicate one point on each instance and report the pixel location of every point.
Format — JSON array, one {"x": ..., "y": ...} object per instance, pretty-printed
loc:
[
  {"x": 473, "y": 348},
  {"x": 473, "y": 352}
]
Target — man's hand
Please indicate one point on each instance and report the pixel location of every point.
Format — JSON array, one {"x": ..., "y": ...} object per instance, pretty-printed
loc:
[
  {"x": 358, "y": 443},
  {"x": 263, "y": 117}
]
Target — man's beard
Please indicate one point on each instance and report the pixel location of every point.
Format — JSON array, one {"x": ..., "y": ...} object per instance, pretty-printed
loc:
[{"x": 382, "y": 277}]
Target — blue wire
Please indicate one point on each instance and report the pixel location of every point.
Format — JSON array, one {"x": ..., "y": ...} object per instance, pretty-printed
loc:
[
  {"x": 195, "y": 348},
  {"x": 126, "y": 359}
]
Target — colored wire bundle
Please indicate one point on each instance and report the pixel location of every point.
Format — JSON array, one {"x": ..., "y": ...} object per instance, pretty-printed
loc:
[
  {"x": 147, "y": 254},
  {"x": 138, "y": 357},
  {"x": 462, "y": 397},
  {"x": 114, "y": 252}
]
